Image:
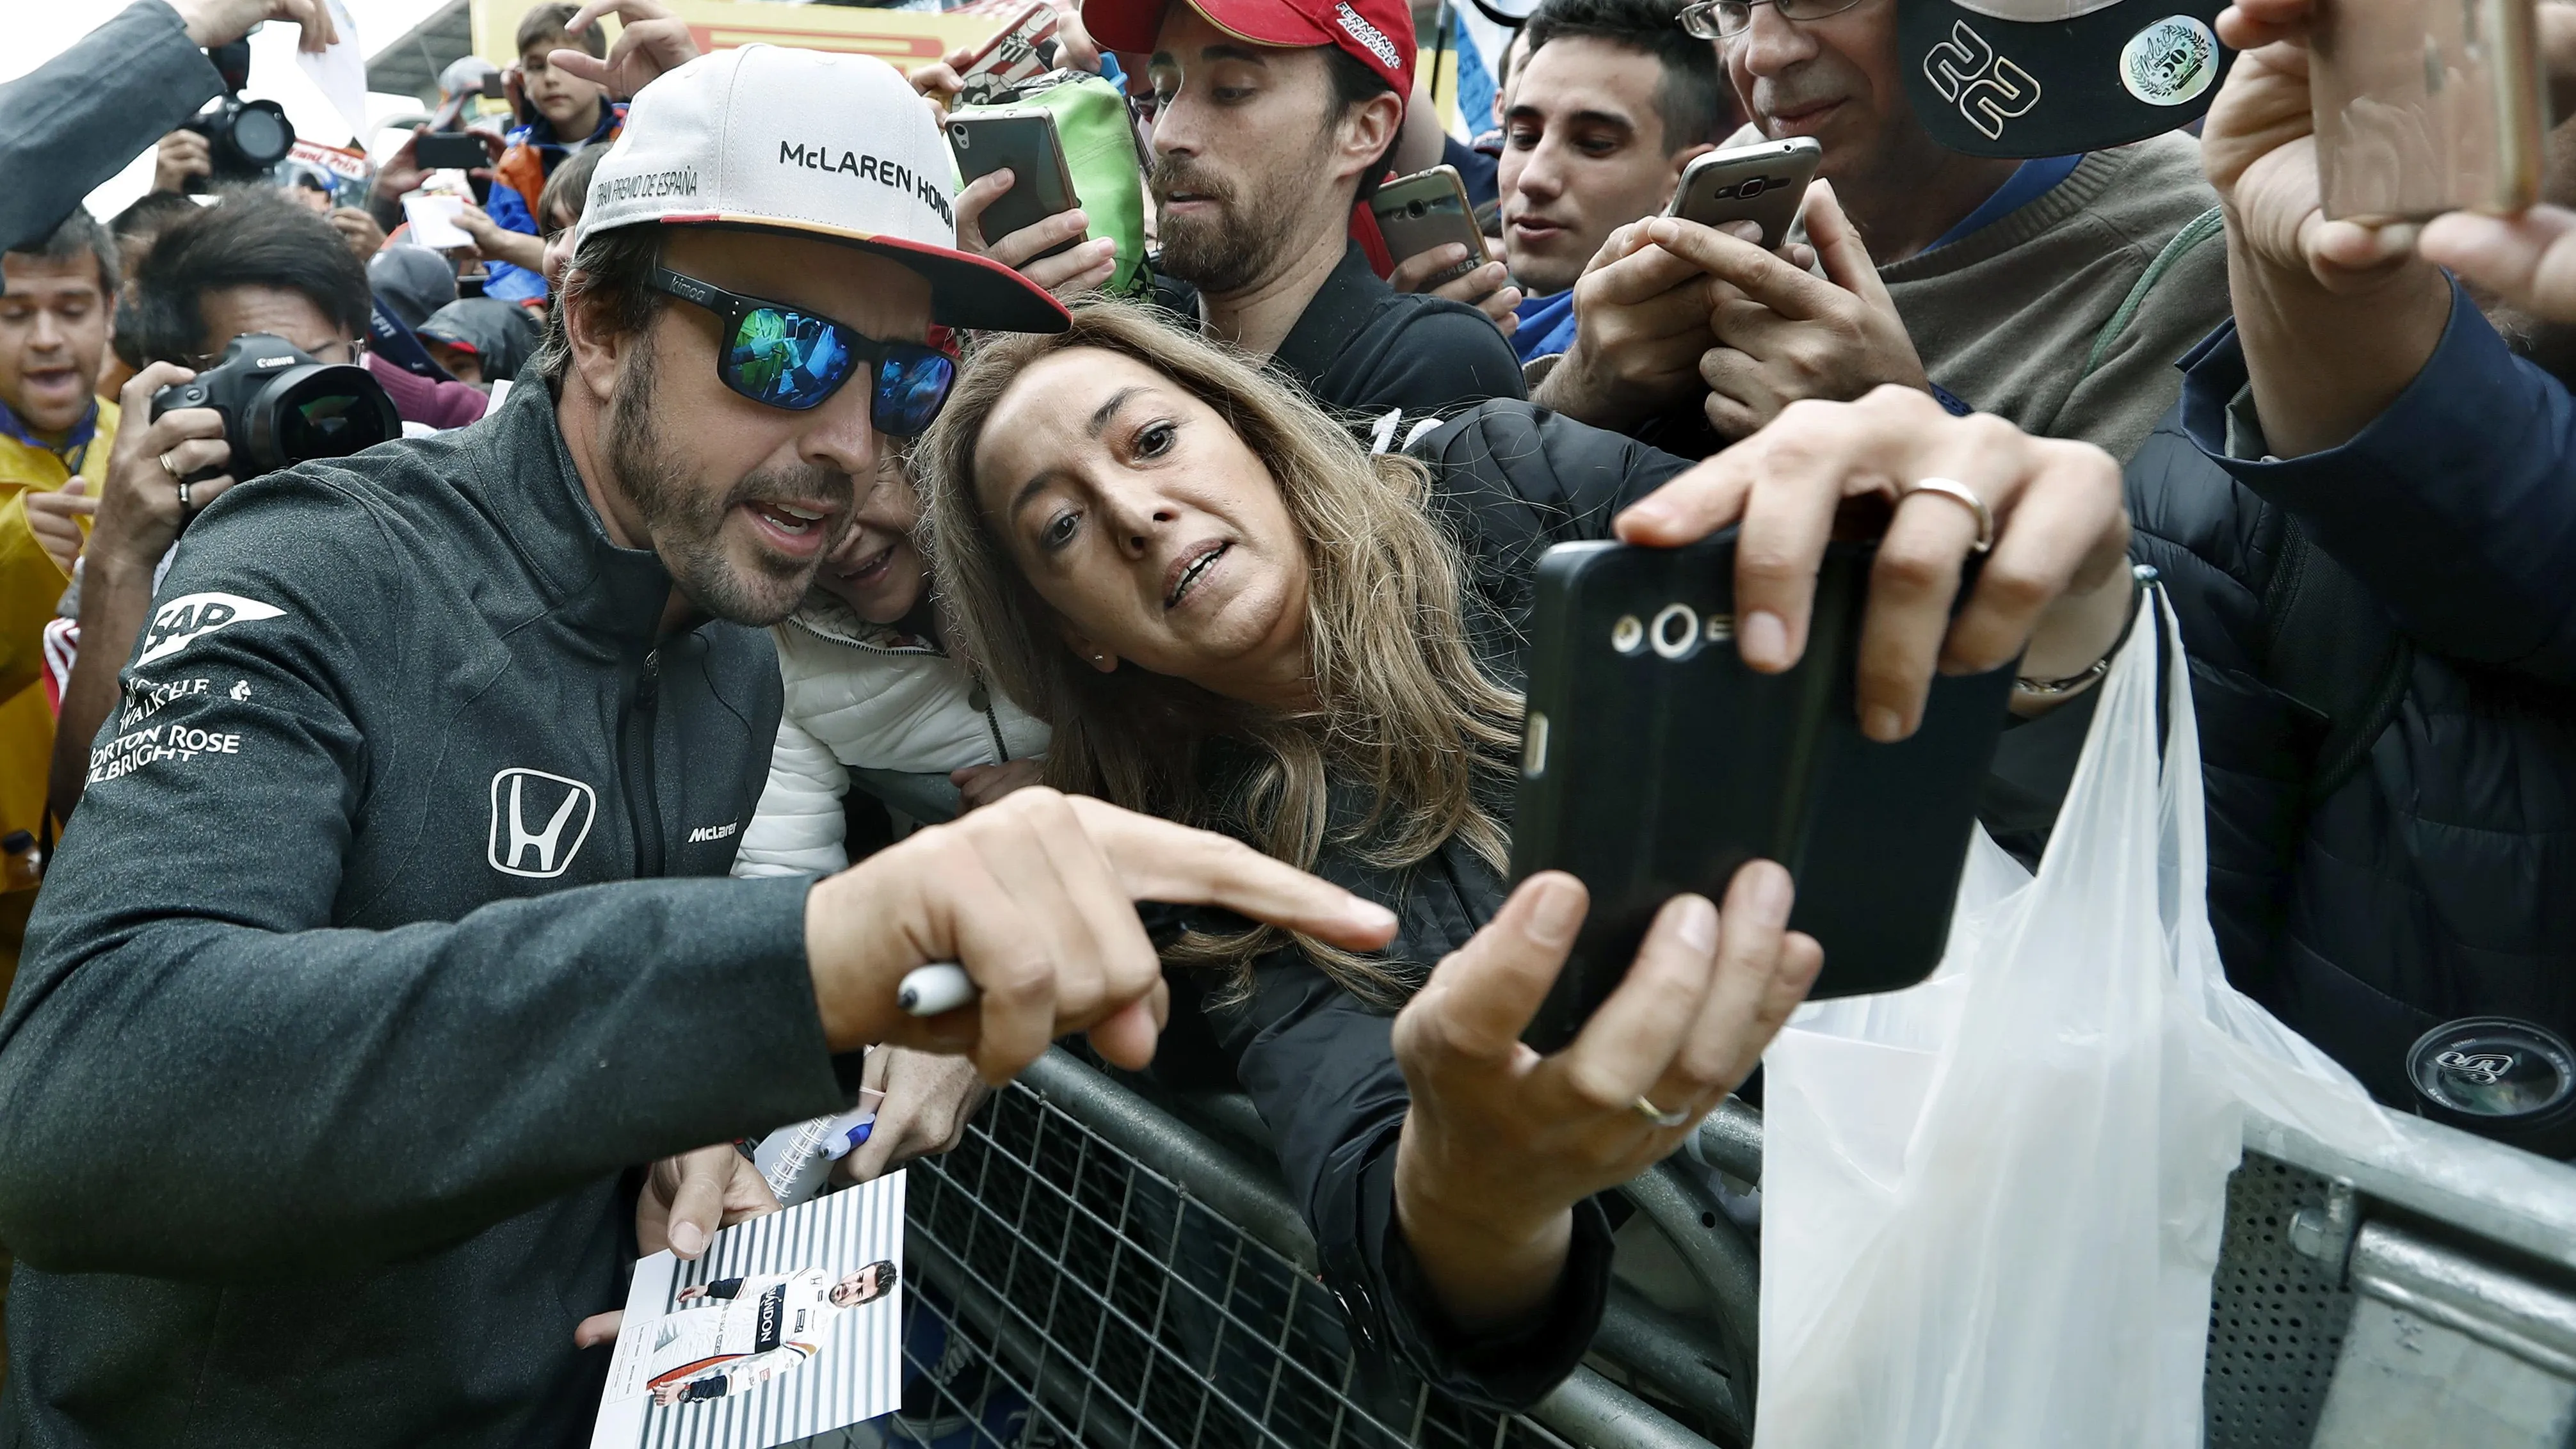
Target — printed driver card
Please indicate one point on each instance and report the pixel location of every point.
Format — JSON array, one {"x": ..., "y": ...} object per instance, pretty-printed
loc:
[{"x": 790, "y": 1326}]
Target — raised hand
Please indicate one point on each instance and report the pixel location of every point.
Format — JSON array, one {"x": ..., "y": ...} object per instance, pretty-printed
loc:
[
  {"x": 2052, "y": 589},
  {"x": 650, "y": 43}
]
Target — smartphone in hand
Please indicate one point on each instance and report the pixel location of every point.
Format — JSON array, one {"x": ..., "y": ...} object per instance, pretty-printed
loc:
[
  {"x": 2426, "y": 106},
  {"x": 1764, "y": 183},
  {"x": 451, "y": 151},
  {"x": 1654, "y": 761},
  {"x": 1023, "y": 138},
  {"x": 1427, "y": 209}
]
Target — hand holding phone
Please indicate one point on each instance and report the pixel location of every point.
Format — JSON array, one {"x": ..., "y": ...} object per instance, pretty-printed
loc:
[
  {"x": 451, "y": 151},
  {"x": 1656, "y": 762},
  {"x": 1764, "y": 183},
  {"x": 1024, "y": 139},
  {"x": 2426, "y": 106},
  {"x": 1496, "y": 1147},
  {"x": 1428, "y": 209}
]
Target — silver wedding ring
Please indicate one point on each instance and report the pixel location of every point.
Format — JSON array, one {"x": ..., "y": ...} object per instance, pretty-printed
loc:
[
  {"x": 186, "y": 505},
  {"x": 1958, "y": 492},
  {"x": 1659, "y": 1116}
]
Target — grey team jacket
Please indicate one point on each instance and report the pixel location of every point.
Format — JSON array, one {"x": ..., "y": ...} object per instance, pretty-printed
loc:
[{"x": 393, "y": 927}]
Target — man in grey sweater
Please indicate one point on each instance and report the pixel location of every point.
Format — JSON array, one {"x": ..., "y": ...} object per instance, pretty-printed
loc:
[
  {"x": 392, "y": 935},
  {"x": 1999, "y": 286}
]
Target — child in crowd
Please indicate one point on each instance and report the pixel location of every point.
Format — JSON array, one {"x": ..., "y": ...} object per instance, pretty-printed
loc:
[
  {"x": 560, "y": 116},
  {"x": 872, "y": 687}
]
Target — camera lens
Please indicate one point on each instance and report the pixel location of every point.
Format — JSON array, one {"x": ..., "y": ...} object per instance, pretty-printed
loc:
[
  {"x": 329, "y": 419},
  {"x": 1413, "y": 209},
  {"x": 1751, "y": 188},
  {"x": 1675, "y": 631},
  {"x": 260, "y": 134}
]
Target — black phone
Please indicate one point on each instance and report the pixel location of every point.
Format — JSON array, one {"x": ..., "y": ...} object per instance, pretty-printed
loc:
[
  {"x": 450, "y": 151},
  {"x": 1654, "y": 761},
  {"x": 1024, "y": 139}
]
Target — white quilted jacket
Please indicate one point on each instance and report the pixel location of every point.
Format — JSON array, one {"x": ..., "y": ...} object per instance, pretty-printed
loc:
[{"x": 865, "y": 696}]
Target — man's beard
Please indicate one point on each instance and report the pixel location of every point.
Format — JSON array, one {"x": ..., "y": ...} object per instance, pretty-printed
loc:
[
  {"x": 686, "y": 522},
  {"x": 1236, "y": 247}
]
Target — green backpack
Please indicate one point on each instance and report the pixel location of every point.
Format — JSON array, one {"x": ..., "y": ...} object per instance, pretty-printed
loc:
[{"x": 1101, "y": 151}]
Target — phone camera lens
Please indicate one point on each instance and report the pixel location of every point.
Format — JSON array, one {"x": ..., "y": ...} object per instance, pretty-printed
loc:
[
  {"x": 1413, "y": 209},
  {"x": 1675, "y": 631},
  {"x": 1627, "y": 635},
  {"x": 1751, "y": 188},
  {"x": 960, "y": 136}
]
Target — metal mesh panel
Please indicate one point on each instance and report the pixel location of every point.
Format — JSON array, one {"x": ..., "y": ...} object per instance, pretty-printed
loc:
[
  {"x": 2276, "y": 1317},
  {"x": 1067, "y": 1295}
]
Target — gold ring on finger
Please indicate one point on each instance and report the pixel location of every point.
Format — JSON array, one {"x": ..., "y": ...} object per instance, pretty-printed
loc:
[
  {"x": 169, "y": 467},
  {"x": 1958, "y": 492},
  {"x": 1659, "y": 1116}
]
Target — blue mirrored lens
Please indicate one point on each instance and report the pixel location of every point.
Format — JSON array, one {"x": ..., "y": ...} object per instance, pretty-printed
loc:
[
  {"x": 912, "y": 385},
  {"x": 787, "y": 359}
]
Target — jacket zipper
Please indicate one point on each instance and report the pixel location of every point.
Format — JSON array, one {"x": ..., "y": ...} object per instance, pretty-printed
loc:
[
  {"x": 642, "y": 806},
  {"x": 978, "y": 698}
]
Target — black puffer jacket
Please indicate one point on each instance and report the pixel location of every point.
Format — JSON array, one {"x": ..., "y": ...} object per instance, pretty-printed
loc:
[
  {"x": 2440, "y": 880},
  {"x": 1320, "y": 1064}
]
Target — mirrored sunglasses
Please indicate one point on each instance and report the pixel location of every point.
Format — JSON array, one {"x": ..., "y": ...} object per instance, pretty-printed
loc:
[{"x": 786, "y": 357}]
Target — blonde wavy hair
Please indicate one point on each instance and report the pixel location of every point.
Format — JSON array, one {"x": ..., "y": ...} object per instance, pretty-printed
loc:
[{"x": 1403, "y": 714}]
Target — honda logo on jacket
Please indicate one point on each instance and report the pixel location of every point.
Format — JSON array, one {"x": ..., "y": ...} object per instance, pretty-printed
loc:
[{"x": 538, "y": 822}]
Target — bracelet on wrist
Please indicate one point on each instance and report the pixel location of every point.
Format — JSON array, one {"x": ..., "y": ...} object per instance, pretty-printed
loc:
[{"x": 2143, "y": 575}]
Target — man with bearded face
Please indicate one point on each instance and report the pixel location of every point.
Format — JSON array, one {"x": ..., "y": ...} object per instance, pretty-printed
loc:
[
  {"x": 1273, "y": 122},
  {"x": 373, "y": 926}
]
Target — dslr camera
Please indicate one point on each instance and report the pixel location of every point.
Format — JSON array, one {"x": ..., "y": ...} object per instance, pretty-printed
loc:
[
  {"x": 280, "y": 407},
  {"x": 246, "y": 138}
]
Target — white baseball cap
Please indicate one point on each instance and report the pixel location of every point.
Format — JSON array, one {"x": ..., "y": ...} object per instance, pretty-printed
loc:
[{"x": 808, "y": 143}]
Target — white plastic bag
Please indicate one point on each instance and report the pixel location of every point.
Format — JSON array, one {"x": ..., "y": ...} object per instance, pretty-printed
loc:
[{"x": 1992, "y": 1203}]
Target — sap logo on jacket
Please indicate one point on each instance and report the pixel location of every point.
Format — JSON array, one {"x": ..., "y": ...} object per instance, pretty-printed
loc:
[{"x": 190, "y": 617}]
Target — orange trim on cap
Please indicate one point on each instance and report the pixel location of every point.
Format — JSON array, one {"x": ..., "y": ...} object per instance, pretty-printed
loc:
[{"x": 1030, "y": 290}]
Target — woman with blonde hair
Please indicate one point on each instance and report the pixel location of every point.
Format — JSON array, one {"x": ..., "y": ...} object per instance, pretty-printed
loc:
[{"x": 1233, "y": 615}]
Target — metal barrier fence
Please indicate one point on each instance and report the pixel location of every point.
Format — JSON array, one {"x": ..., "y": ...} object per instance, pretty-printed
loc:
[
  {"x": 1097, "y": 1266},
  {"x": 1091, "y": 1270}
]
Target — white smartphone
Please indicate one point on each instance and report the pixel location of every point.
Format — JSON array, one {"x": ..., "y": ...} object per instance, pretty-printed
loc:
[{"x": 1764, "y": 183}]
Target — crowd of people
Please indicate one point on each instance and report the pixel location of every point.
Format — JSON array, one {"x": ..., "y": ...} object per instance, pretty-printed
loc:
[{"x": 451, "y": 851}]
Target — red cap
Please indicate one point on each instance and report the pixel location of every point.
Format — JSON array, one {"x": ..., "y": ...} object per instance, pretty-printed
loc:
[{"x": 1376, "y": 33}]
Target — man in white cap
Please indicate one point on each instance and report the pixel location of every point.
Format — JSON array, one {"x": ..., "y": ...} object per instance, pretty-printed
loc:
[{"x": 373, "y": 969}]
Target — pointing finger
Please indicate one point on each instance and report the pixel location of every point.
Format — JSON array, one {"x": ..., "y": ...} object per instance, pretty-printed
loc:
[{"x": 1159, "y": 861}]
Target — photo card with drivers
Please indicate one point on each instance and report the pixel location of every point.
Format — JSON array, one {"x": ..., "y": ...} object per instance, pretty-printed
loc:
[{"x": 791, "y": 1325}]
